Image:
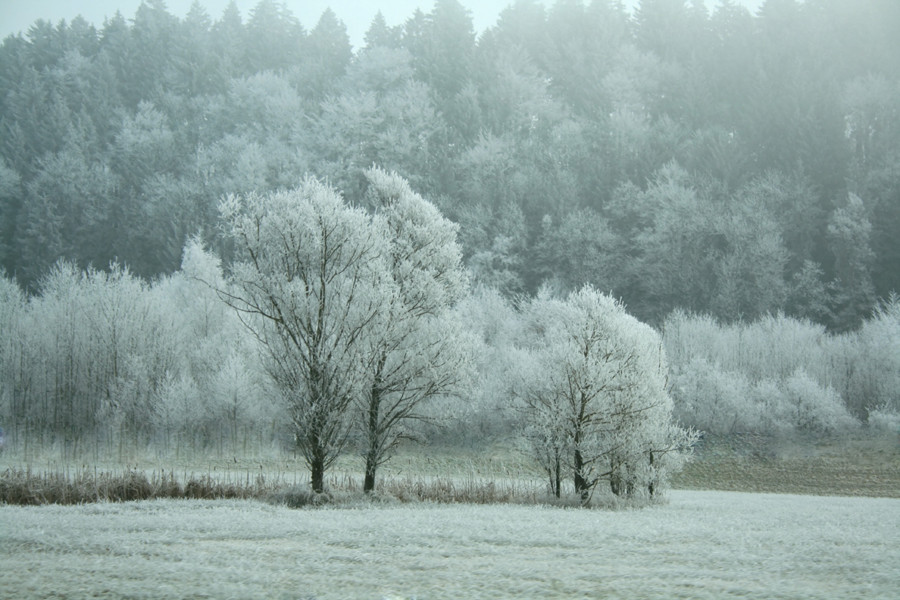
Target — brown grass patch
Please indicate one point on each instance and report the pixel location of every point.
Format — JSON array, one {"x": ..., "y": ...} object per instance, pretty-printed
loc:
[
  {"x": 26, "y": 487},
  {"x": 822, "y": 467}
]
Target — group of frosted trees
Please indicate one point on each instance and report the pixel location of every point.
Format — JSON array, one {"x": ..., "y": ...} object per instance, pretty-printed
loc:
[
  {"x": 592, "y": 382},
  {"x": 661, "y": 155},
  {"x": 101, "y": 362},
  {"x": 354, "y": 313},
  {"x": 351, "y": 310},
  {"x": 343, "y": 326},
  {"x": 335, "y": 325},
  {"x": 783, "y": 376}
]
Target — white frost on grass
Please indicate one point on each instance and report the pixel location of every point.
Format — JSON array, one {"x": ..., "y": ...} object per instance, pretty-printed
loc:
[{"x": 700, "y": 545}]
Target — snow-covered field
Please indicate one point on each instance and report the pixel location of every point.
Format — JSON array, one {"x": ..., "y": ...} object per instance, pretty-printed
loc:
[{"x": 700, "y": 545}]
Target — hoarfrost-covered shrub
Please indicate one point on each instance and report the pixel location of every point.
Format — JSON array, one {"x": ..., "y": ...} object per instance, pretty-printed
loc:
[
  {"x": 875, "y": 380},
  {"x": 814, "y": 408},
  {"x": 723, "y": 402},
  {"x": 768, "y": 397},
  {"x": 713, "y": 400},
  {"x": 884, "y": 419},
  {"x": 773, "y": 346},
  {"x": 777, "y": 374}
]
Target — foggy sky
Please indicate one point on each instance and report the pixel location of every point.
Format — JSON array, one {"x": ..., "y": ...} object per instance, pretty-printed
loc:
[{"x": 18, "y": 15}]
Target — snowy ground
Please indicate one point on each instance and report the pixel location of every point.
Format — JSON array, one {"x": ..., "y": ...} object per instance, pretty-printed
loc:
[{"x": 700, "y": 545}]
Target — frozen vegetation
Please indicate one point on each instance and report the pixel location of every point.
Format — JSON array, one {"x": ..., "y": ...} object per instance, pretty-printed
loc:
[
  {"x": 726, "y": 179},
  {"x": 700, "y": 545},
  {"x": 585, "y": 235},
  {"x": 684, "y": 155}
]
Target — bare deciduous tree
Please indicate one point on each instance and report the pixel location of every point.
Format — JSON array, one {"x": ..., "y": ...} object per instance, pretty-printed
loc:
[
  {"x": 595, "y": 395},
  {"x": 311, "y": 284},
  {"x": 418, "y": 351}
]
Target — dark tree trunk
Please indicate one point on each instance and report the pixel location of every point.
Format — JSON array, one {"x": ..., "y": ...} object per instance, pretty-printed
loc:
[
  {"x": 317, "y": 466},
  {"x": 581, "y": 484},
  {"x": 651, "y": 487},
  {"x": 558, "y": 482},
  {"x": 615, "y": 484},
  {"x": 372, "y": 453},
  {"x": 371, "y": 466}
]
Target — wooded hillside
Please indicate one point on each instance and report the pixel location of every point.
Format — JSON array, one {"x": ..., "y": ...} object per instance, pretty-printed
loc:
[{"x": 725, "y": 163}]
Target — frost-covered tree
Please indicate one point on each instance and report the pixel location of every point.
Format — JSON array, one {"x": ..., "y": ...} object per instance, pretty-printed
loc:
[
  {"x": 875, "y": 383},
  {"x": 776, "y": 375},
  {"x": 849, "y": 233},
  {"x": 418, "y": 350},
  {"x": 311, "y": 283},
  {"x": 595, "y": 395},
  {"x": 14, "y": 383},
  {"x": 215, "y": 397},
  {"x": 484, "y": 412}
]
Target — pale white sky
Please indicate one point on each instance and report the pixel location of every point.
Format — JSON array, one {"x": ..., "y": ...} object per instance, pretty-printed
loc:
[{"x": 18, "y": 15}]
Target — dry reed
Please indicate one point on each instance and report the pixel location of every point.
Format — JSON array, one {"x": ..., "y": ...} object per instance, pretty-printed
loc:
[{"x": 27, "y": 487}]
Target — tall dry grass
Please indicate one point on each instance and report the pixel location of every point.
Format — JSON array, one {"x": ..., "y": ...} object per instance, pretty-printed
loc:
[{"x": 28, "y": 487}]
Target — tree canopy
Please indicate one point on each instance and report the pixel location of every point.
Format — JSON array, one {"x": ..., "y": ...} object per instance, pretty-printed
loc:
[{"x": 764, "y": 143}]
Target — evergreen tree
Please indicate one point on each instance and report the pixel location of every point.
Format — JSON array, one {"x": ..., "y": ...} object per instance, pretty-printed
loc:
[
  {"x": 326, "y": 56},
  {"x": 10, "y": 205},
  {"x": 443, "y": 45},
  {"x": 849, "y": 235},
  {"x": 228, "y": 44},
  {"x": 381, "y": 35},
  {"x": 273, "y": 37}
]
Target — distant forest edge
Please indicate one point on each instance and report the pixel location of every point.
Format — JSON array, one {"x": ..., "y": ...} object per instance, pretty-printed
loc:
[{"x": 721, "y": 163}]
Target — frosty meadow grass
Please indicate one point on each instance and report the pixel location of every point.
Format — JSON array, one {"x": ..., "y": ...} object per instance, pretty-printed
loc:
[{"x": 699, "y": 545}]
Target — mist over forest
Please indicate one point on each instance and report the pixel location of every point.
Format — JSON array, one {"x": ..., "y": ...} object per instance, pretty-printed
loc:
[
  {"x": 731, "y": 179},
  {"x": 727, "y": 163}
]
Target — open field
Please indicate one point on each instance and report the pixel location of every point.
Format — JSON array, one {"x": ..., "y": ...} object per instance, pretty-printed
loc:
[
  {"x": 700, "y": 545},
  {"x": 862, "y": 466}
]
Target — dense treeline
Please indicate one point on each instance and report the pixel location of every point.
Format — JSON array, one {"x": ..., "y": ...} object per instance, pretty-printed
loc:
[
  {"x": 101, "y": 363},
  {"x": 724, "y": 163},
  {"x": 336, "y": 328},
  {"x": 780, "y": 375},
  {"x": 776, "y": 376}
]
